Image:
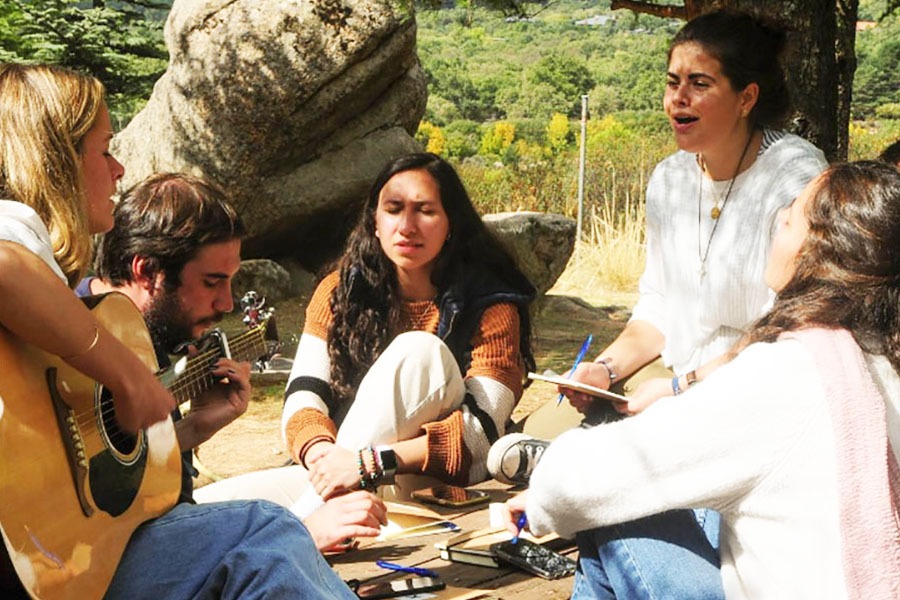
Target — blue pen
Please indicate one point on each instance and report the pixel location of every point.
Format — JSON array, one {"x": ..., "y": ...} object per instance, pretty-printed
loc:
[
  {"x": 578, "y": 359},
  {"x": 520, "y": 525},
  {"x": 402, "y": 569}
]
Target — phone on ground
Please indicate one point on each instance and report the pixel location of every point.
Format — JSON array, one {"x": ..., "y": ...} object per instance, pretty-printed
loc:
[
  {"x": 451, "y": 495},
  {"x": 399, "y": 587},
  {"x": 534, "y": 558}
]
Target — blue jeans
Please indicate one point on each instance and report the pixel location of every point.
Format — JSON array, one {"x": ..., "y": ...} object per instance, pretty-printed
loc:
[
  {"x": 669, "y": 555},
  {"x": 246, "y": 549}
]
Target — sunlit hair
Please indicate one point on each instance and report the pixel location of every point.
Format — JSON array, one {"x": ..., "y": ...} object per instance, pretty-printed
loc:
[
  {"x": 848, "y": 268},
  {"x": 748, "y": 51},
  {"x": 366, "y": 313},
  {"x": 45, "y": 112},
  {"x": 166, "y": 218}
]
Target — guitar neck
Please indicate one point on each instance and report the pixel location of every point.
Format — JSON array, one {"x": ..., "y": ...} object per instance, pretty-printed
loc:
[{"x": 195, "y": 378}]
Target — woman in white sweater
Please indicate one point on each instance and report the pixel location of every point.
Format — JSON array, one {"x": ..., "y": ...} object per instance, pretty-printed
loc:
[
  {"x": 711, "y": 207},
  {"x": 795, "y": 442}
]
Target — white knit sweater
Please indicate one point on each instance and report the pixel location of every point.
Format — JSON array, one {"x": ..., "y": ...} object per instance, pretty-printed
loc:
[
  {"x": 753, "y": 441},
  {"x": 702, "y": 320}
]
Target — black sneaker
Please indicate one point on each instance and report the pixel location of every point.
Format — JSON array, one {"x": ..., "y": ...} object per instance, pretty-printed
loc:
[{"x": 513, "y": 457}]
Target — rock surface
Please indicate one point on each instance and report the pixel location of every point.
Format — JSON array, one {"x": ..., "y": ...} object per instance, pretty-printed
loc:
[
  {"x": 266, "y": 277},
  {"x": 292, "y": 105},
  {"x": 541, "y": 243}
]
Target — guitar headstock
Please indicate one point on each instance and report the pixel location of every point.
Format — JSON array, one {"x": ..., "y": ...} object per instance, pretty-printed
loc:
[{"x": 258, "y": 315}]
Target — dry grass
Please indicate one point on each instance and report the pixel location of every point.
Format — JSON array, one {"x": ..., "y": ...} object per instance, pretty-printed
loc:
[{"x": 605, "y": 266}]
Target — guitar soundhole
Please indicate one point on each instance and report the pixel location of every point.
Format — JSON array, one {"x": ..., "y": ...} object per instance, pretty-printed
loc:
[{"x": 126, "y": 446}]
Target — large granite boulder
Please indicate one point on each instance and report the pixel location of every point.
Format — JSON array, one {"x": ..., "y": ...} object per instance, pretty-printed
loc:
[
  {"x": 265, "y": 277},
  {"x": 541, "y": 243},
  {"x": 292, "y": 105}
]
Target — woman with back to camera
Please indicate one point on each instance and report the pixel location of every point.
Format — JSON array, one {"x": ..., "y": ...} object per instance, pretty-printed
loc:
[
  {"x": 796, "y": 441},
  {"x": 414, "y": 351}
]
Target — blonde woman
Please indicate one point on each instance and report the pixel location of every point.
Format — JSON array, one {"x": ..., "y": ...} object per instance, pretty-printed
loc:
[
  {"x": 56, "y": 182},
  {"x": 57, "y": 177}
]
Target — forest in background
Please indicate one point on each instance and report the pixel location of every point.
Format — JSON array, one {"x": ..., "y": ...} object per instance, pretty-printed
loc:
[{"x": 504, "y": 95}]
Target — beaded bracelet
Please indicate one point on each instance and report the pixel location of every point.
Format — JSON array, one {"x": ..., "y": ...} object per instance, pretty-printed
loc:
[
  {"x": 363, "y": 474},
  {"x": 376, "y": 473},
  {"x": 367, "y": 478}
]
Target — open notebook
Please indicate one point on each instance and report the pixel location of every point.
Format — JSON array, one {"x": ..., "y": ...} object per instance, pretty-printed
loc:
[{"x": 412, "y": 520}]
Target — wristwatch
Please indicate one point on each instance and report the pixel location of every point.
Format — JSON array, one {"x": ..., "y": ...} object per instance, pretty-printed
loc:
[{"x": 387, "y": 460}]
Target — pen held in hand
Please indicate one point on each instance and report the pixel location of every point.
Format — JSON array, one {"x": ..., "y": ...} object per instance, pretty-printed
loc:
[
  {"x": 520, "y": 525},
  {"x": 578, "y": 359}
]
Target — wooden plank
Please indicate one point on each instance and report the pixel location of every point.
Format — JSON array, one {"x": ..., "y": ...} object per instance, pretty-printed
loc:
[{"x": 420, "y": 552}]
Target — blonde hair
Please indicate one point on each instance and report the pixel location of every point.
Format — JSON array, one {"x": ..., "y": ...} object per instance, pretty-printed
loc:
[{"x": 45, "y": 112}]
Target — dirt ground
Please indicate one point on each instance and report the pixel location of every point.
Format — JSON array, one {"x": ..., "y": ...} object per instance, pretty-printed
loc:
[{"x": 254, "y": 441}]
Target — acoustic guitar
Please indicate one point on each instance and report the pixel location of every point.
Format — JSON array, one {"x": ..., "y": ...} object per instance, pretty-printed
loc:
[{"x": 73, "y": 485}]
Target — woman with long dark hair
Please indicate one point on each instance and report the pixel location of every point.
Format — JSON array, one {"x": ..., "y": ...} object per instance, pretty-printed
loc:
[{"x": 414, "y": 350}]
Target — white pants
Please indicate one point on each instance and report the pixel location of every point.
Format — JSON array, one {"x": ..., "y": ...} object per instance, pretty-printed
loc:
[{"x": 415, "y": 381}]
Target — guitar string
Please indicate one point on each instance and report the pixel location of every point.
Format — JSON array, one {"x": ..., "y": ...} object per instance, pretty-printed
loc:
[
  {"x": 194, "y": 384},
  {"x": 196, "y": 372},
  {"x": 240, "y": 345}
]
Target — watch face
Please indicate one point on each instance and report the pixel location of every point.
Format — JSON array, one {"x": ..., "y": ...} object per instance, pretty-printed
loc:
[{"x": 388, "y": 459}]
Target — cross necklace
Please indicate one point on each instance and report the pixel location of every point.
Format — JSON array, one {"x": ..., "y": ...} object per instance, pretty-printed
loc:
[{"x": 716, "y": 212}]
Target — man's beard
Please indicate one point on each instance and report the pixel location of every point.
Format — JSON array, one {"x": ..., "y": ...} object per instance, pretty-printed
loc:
[{"x": 167, "y": 322}]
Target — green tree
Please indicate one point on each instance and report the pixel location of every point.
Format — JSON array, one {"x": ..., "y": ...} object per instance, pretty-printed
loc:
[
  {"x": 10, "y": 23},
  {"x": 566, "y": 77},
  {"x": 462, "y": 139},
  {"x": 876, "y": 81},
  {"x": 120, "y": 43}
]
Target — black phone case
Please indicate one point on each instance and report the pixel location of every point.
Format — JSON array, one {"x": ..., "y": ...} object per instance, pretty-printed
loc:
[
  {"x": 534, "y": 558},
  {"x": 400, "y": 587}
]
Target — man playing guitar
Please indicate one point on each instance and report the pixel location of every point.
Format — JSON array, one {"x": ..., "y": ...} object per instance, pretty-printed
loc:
[
  {"x": 173, "y": 250},
  {"x": 75, "y": 499}
]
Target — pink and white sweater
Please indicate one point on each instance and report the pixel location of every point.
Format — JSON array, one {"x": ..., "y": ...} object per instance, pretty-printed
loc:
[{"x": 757, "y": 442}]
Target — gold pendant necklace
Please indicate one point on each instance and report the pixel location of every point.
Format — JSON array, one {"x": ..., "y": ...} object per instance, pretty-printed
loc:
[{"x": 716, "y": 212}]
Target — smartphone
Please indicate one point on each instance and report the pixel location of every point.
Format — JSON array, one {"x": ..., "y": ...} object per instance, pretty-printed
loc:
[
  {"x": 399, "y": 587},
  {"x": 451, "y": 495},
  {"x": 534, "y": 558}
]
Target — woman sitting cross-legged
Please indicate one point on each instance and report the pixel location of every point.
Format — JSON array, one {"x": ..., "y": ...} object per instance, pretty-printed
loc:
[
  {"x": 414, "y": 350},
  {"x": 795, "y": 441}
]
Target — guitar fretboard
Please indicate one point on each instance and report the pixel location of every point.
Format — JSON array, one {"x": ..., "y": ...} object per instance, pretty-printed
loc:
[{"x": 196, "y": 378}]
